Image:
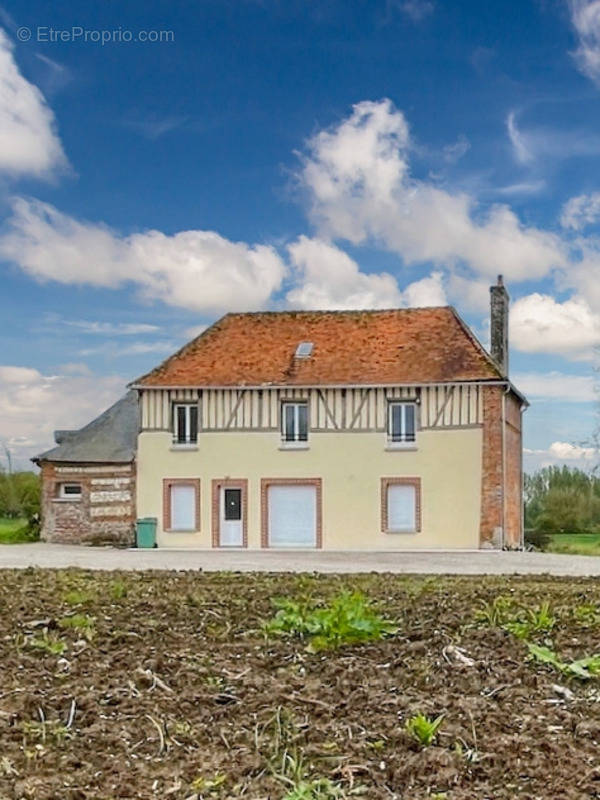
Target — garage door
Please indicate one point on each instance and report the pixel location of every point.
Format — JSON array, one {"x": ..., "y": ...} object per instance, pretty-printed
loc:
[{"x": 292, "y": 516}]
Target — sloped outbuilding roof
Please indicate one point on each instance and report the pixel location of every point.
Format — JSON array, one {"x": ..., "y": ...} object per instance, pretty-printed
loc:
[
  {"x": 110, "y": 438},
  {"x": 414, "y": 345}
]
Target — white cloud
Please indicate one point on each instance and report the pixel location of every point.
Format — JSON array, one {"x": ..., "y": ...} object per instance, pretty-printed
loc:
[
  {"x": 571, "y": 452},
  {"x": 585, "y": 17},
  {"x": 553, "y": 144},
  {"x": 329, "y": 279},
  {"x": 194, "y": 331},
  {"x": 426, "y": 292},
  {"x": 356, "y": 176},
  {"x": 117, "y": 349},
  {"x": 96, "y": 327},
  {"x": 33, "y": 405},
  {"x": 520, "y": 146},
  {"x": 540, "y": 324},
  {"x": 559, "y": 453},
  {"x": 29, "y": 144},
  {"x": 154, "y": 127},
  {"x": 454, "y": 152},
  {"x": 522, "y": 188},
  {"x": 198, "y": 270},
  {"x": 417, "y": 10},
  {"x": 580, "y": 211},
  {"x": 556, "y": 386}
]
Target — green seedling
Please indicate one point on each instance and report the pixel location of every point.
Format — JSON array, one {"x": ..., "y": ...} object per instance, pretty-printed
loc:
[
  {"x": 48, "y": 643},
  {"x": 318, "y": 789},
  {"x": 530, "y": 621},
  {"x": 50, "y": 731},
  {"x": 76, "y": 598},
  {"x": 82, "y": 623},
  {"x": 496, "y": 613},
  {"x": 423, "y": 729},
  {"x": 582, "y": 668},
  {"x": 587, "y": 615},
  {"x": 118, "y": 590},
  {"x": 349, "y": 619},
  {"x": 209, "y": 785}
]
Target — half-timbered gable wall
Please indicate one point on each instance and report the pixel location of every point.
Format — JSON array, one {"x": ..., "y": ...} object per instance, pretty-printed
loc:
[{"x": 330, "y": 409}]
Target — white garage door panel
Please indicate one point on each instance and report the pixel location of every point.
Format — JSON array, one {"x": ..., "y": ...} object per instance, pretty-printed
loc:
[{"x": 292, "y": 516}]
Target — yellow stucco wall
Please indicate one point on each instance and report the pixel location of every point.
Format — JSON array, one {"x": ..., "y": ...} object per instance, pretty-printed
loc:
[{"x": 350, "y": 466}]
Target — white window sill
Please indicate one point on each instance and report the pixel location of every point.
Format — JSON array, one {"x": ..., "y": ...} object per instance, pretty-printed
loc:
[
  {"x": 191, "y": 447},
  {"x": 66, "y": 499},
  {"x": 401, "y": 446},
  {"x": 401, "y": 531},
  {"x": 184, "y": 530},
  {"x": 294, "y": 446}
]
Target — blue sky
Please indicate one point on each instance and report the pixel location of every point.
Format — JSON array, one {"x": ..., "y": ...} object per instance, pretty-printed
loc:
[{"x": 263, "y": 154}]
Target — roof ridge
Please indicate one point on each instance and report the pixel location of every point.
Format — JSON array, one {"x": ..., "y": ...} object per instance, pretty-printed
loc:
[{"x": 323, "y": 311}]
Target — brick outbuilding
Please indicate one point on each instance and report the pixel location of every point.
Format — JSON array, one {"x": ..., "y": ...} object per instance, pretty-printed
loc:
[{"x": 88, "y": 479}]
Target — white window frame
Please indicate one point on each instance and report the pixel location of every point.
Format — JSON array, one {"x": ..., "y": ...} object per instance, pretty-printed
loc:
[
  {"x": 191, "y": 437},
  {"x": 390, "y": 483},
  {"x": 296, "y": 442},
  {"x": 193, "y": 526},
  {"x": 401, "y": 444},
  {"x": 74, "y": 496}
]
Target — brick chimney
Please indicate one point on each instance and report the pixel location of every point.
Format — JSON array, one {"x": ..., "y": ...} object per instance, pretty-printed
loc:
[{"x": 499, "y": 325}]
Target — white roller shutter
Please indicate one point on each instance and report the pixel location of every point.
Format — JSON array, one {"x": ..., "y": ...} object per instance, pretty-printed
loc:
[
  {"x": 183, "y": 508},
  {"x": 401, "y": 508},
  {"x": 292, "y": 516}
]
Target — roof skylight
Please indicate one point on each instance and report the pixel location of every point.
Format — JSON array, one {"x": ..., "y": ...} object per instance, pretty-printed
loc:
[{"x": 304, "y": 350}]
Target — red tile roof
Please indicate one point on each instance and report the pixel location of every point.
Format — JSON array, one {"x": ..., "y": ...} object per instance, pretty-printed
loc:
[{"x": 418, "y": 345}]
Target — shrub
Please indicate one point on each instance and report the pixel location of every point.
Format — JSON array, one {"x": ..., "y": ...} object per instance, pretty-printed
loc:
[
  {"x": 348, "y": 619},
  {"x": 537, "y": 539}
]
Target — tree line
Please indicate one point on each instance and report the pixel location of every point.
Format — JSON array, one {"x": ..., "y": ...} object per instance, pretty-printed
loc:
[
  {"x": 562, "y": 500},
  {"x": 19, "y": 494}
]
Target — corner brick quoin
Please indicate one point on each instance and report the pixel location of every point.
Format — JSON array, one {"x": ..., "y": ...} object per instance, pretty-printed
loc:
[
  {"x": 105, "y": 512},
  {"x": 501, "y": 470}
]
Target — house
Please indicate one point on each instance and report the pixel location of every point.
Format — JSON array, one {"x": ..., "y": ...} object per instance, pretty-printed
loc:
[
  {"x": 88, "y": 480},
  {"x": 341, "y": 430}
]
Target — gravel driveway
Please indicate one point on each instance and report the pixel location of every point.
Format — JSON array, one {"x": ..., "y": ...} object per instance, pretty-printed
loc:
[{"x": 57, "y": 556}]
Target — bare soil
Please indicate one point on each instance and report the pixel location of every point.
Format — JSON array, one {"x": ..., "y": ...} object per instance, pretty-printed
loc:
[{"x": 176, "y": 693}]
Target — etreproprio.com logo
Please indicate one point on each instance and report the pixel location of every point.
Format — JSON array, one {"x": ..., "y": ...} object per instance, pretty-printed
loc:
[{"x": 77, "y": 33}]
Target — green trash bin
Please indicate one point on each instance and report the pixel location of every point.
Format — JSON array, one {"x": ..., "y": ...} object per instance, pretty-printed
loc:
[{"x": 146, "y": 532}]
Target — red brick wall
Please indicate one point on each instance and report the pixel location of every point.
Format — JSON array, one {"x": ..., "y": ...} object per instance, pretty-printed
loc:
[
  {"x": 513, "y": 519},
  {"x": 501, "y": 487},
  {"x": 104, "y": 513}
]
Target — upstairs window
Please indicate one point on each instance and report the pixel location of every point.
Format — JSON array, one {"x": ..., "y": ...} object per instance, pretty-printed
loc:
[
  {"x": 185, "y": 423},
  {"x": 402, "y": 424},
  {"x": 294, "y": 422}
]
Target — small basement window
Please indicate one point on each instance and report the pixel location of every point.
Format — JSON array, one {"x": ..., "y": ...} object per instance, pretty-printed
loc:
[
  {"x": 185, "y": 423},
  {"x": 69, "y": 491},
  {"x": 402, "y": 423}
]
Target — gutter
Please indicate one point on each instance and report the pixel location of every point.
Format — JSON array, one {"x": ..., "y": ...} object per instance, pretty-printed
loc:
[{"x": 317, "y": 385}]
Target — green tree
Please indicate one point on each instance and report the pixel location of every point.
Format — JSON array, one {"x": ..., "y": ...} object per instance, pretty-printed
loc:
[{"x": 562, "y": 499}]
